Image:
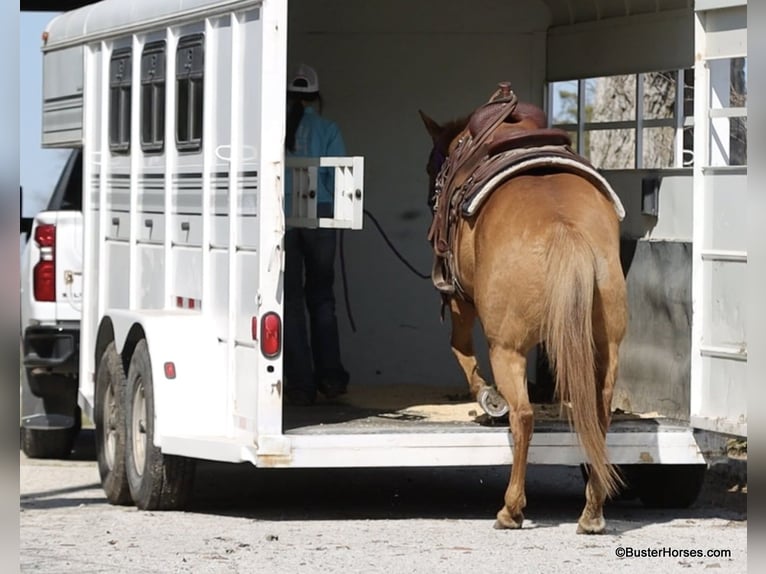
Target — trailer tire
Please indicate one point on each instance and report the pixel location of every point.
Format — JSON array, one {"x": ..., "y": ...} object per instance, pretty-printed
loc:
[
  {"x": 669, "y": 485},
  {"x": 156, "y": 481},
  {"x": 111, "y": 428}
]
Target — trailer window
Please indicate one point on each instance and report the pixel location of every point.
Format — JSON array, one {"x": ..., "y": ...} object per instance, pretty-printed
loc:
[
  {"x": 190, "y": 68},
  {"x": 153, "y": 97},
  {"x": 635, "y": 121},
  {"x": 119, "y": 100},
  {"x": 728, "y": 111}
]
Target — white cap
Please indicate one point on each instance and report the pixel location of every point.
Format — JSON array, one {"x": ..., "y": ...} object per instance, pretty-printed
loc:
[{"x": 305, "y": 80}]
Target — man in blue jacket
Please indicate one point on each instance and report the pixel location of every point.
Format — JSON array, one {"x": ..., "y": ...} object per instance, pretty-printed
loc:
[{"x": 310, "y": 256}]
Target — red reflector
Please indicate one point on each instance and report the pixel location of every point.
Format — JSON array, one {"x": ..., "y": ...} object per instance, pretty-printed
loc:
[
  {"x": 44, "y": 281},
  {"x": 254, "y": 328},
  {"x": 45, "y": 235},
  {"x": 271, "y": 335},
  {"x": 170, "y": 370}
]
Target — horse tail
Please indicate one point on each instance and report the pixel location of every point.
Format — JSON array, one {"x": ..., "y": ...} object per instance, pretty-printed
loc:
[{"x": 568, "y": 337}]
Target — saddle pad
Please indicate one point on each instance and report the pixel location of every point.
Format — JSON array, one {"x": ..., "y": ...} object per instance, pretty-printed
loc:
[{"x": 563, "y": 164}]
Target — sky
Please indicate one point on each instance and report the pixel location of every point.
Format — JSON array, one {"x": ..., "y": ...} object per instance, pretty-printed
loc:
[{"x": 38, "y": 168}]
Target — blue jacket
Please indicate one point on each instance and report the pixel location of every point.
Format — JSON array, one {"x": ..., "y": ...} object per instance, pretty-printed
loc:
[{"x": 316, "y": 137}]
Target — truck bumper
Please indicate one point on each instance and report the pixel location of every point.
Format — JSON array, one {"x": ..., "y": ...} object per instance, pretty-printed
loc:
[{"x": 53, "y": 349}]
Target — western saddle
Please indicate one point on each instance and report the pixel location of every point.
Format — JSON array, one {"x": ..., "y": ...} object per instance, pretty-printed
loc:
[{"x": 501, "y": 133}]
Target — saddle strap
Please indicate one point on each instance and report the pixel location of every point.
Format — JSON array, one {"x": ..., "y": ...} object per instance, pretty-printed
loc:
[
  {"x": 463, "y": 161},
  {"x": 471, "y": 149}
]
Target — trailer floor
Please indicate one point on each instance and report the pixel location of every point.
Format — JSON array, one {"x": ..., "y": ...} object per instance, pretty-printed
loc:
[{"x": 424, "y": 408}]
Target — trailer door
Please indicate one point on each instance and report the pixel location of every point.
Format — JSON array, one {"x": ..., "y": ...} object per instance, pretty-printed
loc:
[{"x": 719, "y": 345}]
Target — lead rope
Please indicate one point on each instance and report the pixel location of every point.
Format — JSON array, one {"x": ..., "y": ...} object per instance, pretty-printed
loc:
[
  {"x": 344, "y": 276},
  {"x": 345, "y": 281}
]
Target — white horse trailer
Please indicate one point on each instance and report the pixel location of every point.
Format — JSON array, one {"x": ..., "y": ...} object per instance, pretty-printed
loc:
[{"x": 179, "y": 108}]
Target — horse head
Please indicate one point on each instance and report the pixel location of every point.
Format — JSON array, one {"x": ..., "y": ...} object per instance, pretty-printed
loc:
[{"x": 442, "y": 138}]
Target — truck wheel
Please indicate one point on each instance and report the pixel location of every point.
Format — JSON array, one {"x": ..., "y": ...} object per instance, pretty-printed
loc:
[
  {"x": 111, "y": 431},
  {"x": 156, "y": 481},
  {"x": 668, "y": 485}
]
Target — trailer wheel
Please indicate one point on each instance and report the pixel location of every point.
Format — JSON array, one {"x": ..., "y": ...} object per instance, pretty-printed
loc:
[
  {"x": 111, "y": 431},
  {"x": 156, "y": 481},
  {"x": 668, "y": 485}
]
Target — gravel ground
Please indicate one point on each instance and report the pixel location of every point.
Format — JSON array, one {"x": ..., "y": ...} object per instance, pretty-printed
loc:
[{"x": 362, "y": 520}]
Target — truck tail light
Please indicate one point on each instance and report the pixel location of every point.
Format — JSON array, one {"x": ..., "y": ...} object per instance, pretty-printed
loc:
[
  {"x": 45, "y": 235},
  {"x": 44, "y": 272},
  {"x": 45, "y": 281},
  {"x": 271, "y": 335}
]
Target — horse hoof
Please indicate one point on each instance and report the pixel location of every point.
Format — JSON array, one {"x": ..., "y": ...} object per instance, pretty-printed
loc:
[
  {"x": 500, "y": 526},
  {"x": 491, "y": 402},
  {"x": 596, "y": 527},
  {"x": 507, "y": 521}
]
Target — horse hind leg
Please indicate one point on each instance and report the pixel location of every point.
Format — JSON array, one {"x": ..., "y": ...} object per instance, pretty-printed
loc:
[
  {"x": 509, "y": 370},
  {"x": 463, "y": 315},
  {"x": 592, "y": 518},
  {"x": 608, "y": 332}
]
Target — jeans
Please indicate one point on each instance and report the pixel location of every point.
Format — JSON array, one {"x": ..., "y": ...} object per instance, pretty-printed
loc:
[{"x": 311, "y": 252}]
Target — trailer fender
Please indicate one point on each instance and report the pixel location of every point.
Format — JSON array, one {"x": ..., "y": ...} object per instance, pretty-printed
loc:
[{"x": 185, "y": 356}]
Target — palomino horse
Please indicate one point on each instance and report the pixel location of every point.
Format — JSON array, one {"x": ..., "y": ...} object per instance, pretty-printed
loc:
[{"x": 540, "y": 263}]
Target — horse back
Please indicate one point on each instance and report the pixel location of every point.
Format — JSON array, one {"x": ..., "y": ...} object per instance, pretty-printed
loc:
[{"x": 503, "y": 252}]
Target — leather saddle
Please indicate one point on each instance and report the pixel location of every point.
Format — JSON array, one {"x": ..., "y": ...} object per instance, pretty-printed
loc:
[
  {"x": 524, "y": 127},
  {"x": 493, "y": 132}
]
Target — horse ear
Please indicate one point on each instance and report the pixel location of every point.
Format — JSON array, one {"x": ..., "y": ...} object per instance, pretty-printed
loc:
[{"x": 434, "y": 129}]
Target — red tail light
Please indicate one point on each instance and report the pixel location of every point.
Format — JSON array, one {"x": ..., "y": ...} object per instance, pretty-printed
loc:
[
  {"x": 271, "y": 335},
  {"x": 45, "y": 235},
  {"x": 44, "y": 273},
  {"x": 45, "y": 281}
]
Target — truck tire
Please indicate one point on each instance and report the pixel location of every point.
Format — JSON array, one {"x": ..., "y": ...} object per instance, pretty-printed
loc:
[
  {"x": 111, "y": 428},
  {"x": 668, "y": 485},
  {"x": 48, "y": 443},
  {"x": 156, "y": 481}
]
